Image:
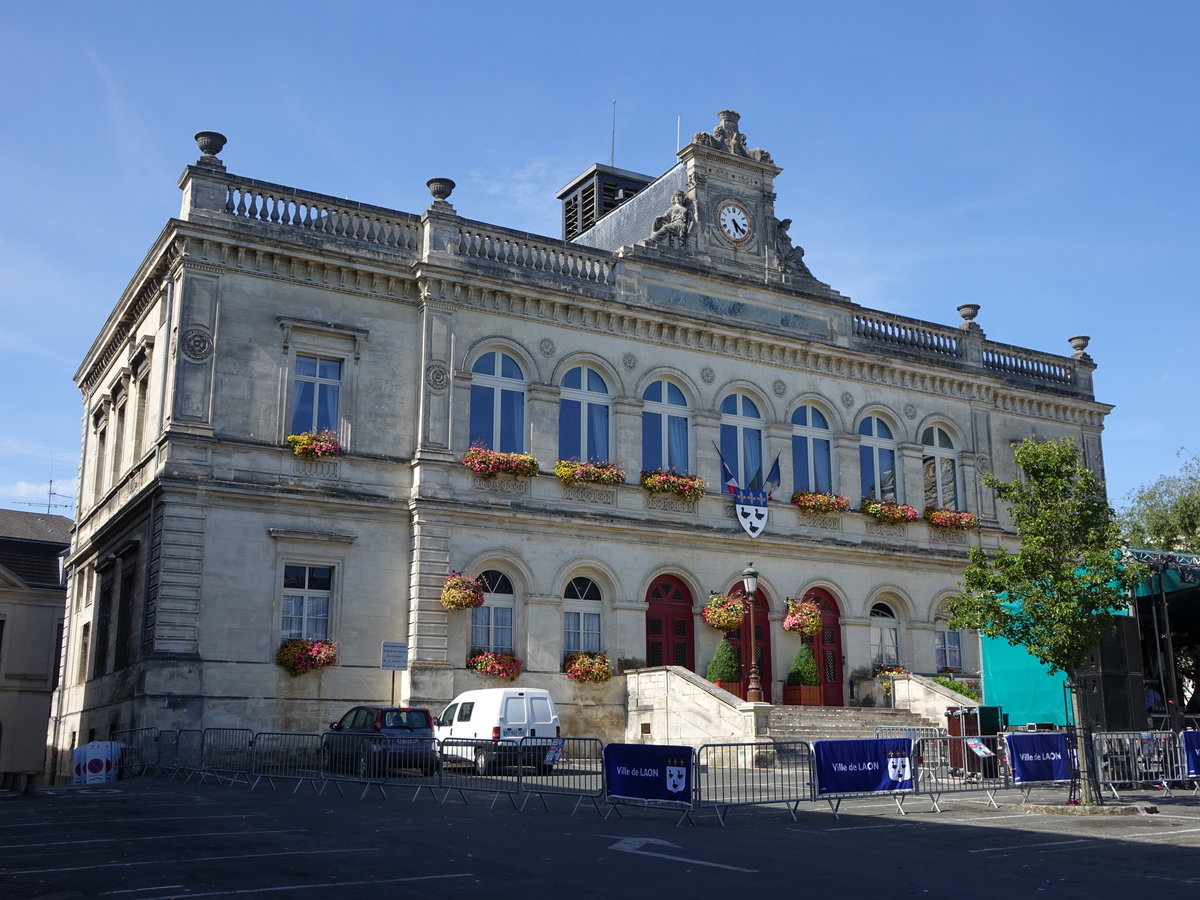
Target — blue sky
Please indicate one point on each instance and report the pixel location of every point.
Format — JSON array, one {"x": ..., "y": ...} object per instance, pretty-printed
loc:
[{"x": 1036, "y": 158}]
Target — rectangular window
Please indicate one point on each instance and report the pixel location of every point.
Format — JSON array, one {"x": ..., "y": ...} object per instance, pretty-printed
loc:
[
  {"x": 306, "y": 593},
  {"x": 85, "y": 641},
  {"x": 885, "y": 645},
  {"x": 492, "y": 629},
  {"x": 317, "y": 386},
  {"x": 103, "y": 621},
  {"x": 581, "y": 632},
  {"x": 949, "y": 651}
]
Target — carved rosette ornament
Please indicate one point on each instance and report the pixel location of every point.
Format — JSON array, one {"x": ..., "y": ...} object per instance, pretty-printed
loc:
[
  {"x": 197, "y": 344},
  {"x": 910, "y": 411},
  {"x": 707, "y": 375},
  {"x": 779, "y": 387},
  {"x": 437, "y": 376},
  {"x": 546, "y": 347},
  {"x": 847, "y": 399},
  {"x": 629, "y": 361}
]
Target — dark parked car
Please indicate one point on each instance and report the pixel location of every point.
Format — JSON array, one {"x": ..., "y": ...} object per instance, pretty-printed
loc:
[{"x": 374, "y": 741}]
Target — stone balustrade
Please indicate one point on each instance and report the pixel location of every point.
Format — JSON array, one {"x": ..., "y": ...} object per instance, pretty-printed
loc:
[{"x": 555, "y": 258}]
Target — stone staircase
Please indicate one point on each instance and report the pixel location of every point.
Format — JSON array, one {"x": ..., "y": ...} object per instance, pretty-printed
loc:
[{"x": 822, "y": 723}]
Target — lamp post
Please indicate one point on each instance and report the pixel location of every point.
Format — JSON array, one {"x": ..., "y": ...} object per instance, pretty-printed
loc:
[{"x": 754, "y": 692}]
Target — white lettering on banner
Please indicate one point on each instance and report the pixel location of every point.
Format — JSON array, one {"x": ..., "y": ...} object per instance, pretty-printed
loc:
[
  {"x": 855, "y": 767},
  {"x": 1039, "y": 757},
  {"x": 637, "y": 773}
]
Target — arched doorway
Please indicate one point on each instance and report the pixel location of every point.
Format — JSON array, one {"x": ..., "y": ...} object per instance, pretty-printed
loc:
[
  {"x": 762, "y": 642},
  {"x": 827, "y": 647},
  {"x": 669, "y": 636}
]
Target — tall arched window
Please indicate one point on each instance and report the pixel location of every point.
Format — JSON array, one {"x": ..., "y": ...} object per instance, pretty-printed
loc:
[
  {"x": 741, "y": 441},
  {"x": 939, "y": 466},
  {"x": 812, "y": 467},
  {"x": 877, "y": 460},
  {"x": 492, "y": 623},
  {"x": 498, "y": 403},
  {"x": 885, "y": 635},
  {"x": 583, "y": 416},
  {"x": 581, "y": 616},
  {"x": 947, "y": 644},
  {"x": 664, "y": 427}
]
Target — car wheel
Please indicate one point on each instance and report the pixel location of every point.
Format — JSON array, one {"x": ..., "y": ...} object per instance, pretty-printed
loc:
[{"x": 483, "y": 766}]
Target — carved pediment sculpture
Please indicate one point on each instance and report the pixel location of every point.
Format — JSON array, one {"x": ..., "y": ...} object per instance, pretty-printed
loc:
[
  {"x": 790, "y": 258},
  {"x": 727, "y": 137},
  {"x": 675, "y": 225}
]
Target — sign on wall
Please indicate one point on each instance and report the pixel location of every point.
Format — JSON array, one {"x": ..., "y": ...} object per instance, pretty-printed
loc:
[{"x": 393, "y": 655}]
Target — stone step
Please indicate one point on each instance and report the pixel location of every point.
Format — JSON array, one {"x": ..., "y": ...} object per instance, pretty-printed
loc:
[{"x": 814, "y": 723}]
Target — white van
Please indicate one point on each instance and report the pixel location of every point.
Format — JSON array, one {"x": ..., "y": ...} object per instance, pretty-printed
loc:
[{"x": 485, "y": 728}]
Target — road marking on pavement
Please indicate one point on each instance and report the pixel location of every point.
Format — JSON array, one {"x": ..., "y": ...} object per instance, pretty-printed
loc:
[
  {"x": 152, "y": 837},
  {"x": 336, "y": 885},
  {"x": 186, "y": 859},
  {"x": 108, "y": 820},
  {"x": 1032, "y": 846},
  {"x": 157, "y": 887},
  {"x": 633, "y": 845}
]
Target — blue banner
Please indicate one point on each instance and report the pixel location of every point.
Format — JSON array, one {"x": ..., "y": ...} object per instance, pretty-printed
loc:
[
  {"x": 1191, "y": 753},
  {"x": 1039, "y": 757},
  {"x": 648, "y": 772},
  {"x": 881, "y": 766}
]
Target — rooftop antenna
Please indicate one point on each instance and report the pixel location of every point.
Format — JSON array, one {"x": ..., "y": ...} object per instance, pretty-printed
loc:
[
  {"x": 677, "y": 118},
  {"x": 612, "y": 152},
  {"x": 50, "y": 494}
]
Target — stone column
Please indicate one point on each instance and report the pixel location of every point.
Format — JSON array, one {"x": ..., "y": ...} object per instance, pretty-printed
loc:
[
  {"x": 541, "y": 425},
  {"x": 625, "y": 438}
]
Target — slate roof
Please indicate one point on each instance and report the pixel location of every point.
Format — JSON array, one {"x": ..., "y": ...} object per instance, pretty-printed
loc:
[{"x": 30, "y": 544}]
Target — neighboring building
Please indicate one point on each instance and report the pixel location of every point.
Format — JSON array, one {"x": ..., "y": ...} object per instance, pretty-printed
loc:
[
  {"x": 680, "y": 318},
  {"x": 32, "y": 593}
]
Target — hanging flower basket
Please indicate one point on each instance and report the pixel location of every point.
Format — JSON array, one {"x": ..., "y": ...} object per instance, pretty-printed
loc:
[
  {"x": 574, "y": 471},
  {"x": 888, "y": 513},
  {"x": 665, "y": 481},
  {"x": 461, "y": 592},
  {"x": 489, "y": 463},
  {"x": 300, "y": 655},
  {"x": 499, "y": 665},
  {"x": 724, "y": 613},
  {"x": 951, "y": 519},
  {"x": 803, "y": 617},
  {"x": 816, "y": 504},
  {"x": 315, "y": 444},
  {"x": 588, "y": 668}
]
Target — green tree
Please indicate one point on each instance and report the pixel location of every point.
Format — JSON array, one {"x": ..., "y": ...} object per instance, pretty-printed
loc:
[
  {"x": 1057, "y": 594},
  {"x": 804, "y": 668},
  {"x": 724, "y": 666},
  {"x": 1165, "y": 515}
]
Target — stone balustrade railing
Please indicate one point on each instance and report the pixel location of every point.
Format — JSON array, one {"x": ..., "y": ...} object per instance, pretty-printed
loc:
[
  {"x": 1030, "y": 364},
  {"x": 910, "y": 334},
  {"x": 541, "y": 256},
  {"x": 263, "y": 202}
]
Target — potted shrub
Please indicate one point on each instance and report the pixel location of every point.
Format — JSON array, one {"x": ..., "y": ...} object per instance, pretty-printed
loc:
[
  {"x": 803, "y": 686},
  {"x": 724, "y": 670}
]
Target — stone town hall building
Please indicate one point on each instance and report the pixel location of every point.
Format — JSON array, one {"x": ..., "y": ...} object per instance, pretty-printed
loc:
[{"x": 674, "y": 317}]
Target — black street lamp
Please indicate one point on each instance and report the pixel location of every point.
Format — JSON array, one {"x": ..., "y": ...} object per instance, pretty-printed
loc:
[{"x": 754, "y": 693}]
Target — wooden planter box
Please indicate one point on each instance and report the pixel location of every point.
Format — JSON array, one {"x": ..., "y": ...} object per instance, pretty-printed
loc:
[
  {"x": 734, "y": 687},
  {"x": 802, "y": 694}
]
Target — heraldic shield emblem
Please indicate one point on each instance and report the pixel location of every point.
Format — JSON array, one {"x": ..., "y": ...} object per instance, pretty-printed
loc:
[
  {"x": 899, "y": 766},
  {"x": 751, "y": 509}
]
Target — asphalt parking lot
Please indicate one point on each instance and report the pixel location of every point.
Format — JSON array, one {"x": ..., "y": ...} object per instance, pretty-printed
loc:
[{"x": 152, "y": 838}]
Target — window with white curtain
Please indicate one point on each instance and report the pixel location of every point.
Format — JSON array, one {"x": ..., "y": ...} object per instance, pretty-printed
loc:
[
  {"x": 492, "y": 623},
  {"x": 741, "y": 441},
  {"x": 885, "y": 635},
  {"x": 581, "y": 616},
  {"x": 664, "y": 427},
  {"x": 498, "y": 403},
  {"x": 583, "y": 416},
  {"x": 812, "y": 465},
  {"x": 939, "y": 466},
  {"x": 877, "y": 460}
]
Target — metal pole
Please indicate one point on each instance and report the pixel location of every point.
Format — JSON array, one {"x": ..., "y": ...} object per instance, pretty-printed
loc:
[
  {"x": 1173, "y": 711},
  {"x": 754, "y": 693}
]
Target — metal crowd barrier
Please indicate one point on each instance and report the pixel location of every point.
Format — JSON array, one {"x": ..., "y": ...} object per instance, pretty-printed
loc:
[
  {"x": 570, "y": 767},
  {"x": 376, "y": 761},
  {"x": 1138, "y": 759},
  {"x": 959, "y": 765},
  {"x": 474, "y": 765},
  {"x": 1072, "y": 782},
  {"x": 139, "y": 751},
  {"x": 225, "y": 753},
  {"x": 286, "y": 757},
  {"x": 168, "y": 752},
  {"x": 754, "y": 774},
  {"x": 189, "y": 753},
  {"x": 905, "y": 731}
]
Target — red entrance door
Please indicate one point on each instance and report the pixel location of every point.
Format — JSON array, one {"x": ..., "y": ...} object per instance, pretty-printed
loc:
[
  {"x": 827, "y": 648},
  {"x": 762, "y": 644},
  {"x": 669, "y": 638}
]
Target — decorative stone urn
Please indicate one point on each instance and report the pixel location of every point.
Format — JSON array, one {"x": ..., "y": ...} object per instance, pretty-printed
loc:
[
  {"x": 210, "y": 142},
  {"x": 440, "y": 188},
  {"x": 969, "y": 311}
]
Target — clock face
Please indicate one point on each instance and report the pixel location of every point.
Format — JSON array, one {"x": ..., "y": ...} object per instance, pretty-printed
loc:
[{"x": 734, "y": 222}]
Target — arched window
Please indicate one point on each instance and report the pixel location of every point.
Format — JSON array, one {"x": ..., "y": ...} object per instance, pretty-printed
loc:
[
  {"x": 947, "y": 644},
  {"x": 812, "y": 467},
  {"x": 581, "y": 616},
  {"x": 741, "y": 441},
  {"x": 939, "y": 466},
  {"x": 877, "y": 460},
  {"x": 885, "y": 635},
  {"x": 498, "y": 403},
  {"x": 583, "y": 416},
  {"x": 492, "y": 623},
  {"x": 664, "y": 427}
]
